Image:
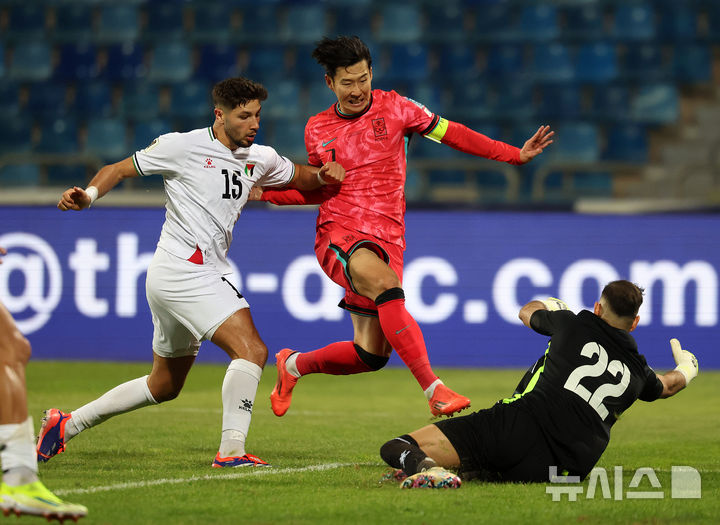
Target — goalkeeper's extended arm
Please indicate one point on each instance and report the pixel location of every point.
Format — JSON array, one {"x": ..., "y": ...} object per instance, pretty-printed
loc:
[{"x": 685, "y": 371}]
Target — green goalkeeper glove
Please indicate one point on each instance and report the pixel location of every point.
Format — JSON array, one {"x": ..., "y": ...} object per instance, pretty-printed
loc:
[
  {"x": 686, "y": 362},
  {"x": 553, "y": 304}
]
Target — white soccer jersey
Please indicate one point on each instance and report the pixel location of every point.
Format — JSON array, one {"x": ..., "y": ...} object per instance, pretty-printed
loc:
[{"x": 207, "y": 186}]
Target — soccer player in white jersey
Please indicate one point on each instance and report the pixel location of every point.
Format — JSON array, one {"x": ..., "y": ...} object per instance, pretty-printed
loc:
[
  {"x": 21, "y": 491},
  {"x": 208, "y": 174}
]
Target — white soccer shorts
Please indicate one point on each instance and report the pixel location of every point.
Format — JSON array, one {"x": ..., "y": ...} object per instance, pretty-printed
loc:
[{"x": 188, "y": 303}]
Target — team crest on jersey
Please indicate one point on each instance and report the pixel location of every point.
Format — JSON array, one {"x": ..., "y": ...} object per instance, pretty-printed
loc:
[
  {"x": 379, "y": 128},
  {"x": 208, "y": 163},
  {"x": 249, "y": 168}
]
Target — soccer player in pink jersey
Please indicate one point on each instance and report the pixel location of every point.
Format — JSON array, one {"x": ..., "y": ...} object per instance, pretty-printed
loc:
[{"x": 360, "y": 227}]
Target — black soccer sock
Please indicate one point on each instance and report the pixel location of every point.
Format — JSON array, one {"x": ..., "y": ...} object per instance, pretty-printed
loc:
[{"x": 404, "y": 453}]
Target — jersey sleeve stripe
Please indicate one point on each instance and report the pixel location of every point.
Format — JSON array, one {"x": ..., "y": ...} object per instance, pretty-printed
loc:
[
  {"x": 136, "y": 165},
  {"x": 436, "y": 130}
]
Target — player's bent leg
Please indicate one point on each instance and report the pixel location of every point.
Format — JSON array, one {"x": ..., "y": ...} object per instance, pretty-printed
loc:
[
  {"x": 36, "y": 500},
  {"x": 168, "y": 375}
]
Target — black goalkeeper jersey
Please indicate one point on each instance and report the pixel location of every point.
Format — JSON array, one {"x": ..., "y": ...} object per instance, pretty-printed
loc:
[{"x": 592, "y": 373}]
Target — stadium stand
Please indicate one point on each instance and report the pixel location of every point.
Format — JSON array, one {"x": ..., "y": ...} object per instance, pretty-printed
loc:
[{"x": 614, "y": 73}]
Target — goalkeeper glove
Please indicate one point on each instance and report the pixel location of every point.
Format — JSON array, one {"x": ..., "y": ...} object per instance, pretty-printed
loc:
[
  {"x": 554, "y": 304},
  {"x": 686, "y": 362}
]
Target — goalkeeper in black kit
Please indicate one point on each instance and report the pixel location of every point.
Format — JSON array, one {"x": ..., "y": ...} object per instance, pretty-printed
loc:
[{"x": 561, "y": 413}]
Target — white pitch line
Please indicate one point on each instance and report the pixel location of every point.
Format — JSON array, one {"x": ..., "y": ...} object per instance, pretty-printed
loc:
[{"x": 246, "y": 473}]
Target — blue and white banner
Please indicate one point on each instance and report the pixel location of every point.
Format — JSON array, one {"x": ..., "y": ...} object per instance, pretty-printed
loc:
[{"x": 75, "y": 281}]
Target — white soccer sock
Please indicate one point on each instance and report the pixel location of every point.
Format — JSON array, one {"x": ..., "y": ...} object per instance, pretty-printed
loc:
[
  {"x": 17, "y": 453},
  {"x": 291, "y": 364},
  {"x": 429, "y": 391},
  {"x": 123, "y": 398},
  {"x": 238, "y": 395}
]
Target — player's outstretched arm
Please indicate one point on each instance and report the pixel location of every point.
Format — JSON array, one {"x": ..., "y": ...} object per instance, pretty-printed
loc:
[
  {"x": 311, "y": 177},
  {"x": 686, "y": 370},
  {"x": 311, "y": 185},
  {"x": 77, "y": 198}
]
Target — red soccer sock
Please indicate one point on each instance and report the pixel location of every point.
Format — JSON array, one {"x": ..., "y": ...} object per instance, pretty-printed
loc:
[
  {"x": 404, "y": 334},
  {"x": 337, "y": 359}
]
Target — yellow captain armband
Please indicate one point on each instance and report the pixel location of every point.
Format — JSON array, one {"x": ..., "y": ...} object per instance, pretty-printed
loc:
[{"x": 438, "y": 132}]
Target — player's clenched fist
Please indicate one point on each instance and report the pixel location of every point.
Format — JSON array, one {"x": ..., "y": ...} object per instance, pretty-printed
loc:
[
  {"x": 74, "y": 198},
  {"x": 331, "y": 173}
]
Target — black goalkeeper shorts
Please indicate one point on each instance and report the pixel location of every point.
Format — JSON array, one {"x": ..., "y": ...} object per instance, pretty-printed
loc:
[{"x": 501, "y": 443}]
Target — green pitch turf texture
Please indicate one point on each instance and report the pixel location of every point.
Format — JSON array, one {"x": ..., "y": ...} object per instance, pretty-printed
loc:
[{"x": 153, "y": 465}]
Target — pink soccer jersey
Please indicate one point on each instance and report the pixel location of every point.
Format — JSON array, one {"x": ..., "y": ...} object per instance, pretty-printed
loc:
[{"x": 371, "y": 146}]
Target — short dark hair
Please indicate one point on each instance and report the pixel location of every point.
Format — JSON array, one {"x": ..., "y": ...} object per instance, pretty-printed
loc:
[
  {"x": 624, "y": 298},
  {"x": 342, "y": 51},
  {"x": 233, "y": 92}
]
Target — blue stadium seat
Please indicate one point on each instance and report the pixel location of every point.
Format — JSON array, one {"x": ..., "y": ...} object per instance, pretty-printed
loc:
[
  {"x": 560, "y": 102},
  {"x": 118, "y": 23},
  {"x": 214, "y": 22},
  {"x": 283, "y": 100},
  {"x": 94, "y": 98},
  {"x": 260, "y": 24},
  {"x": 266, "y": 63},
  {"x": 73, "y": 22},
  {"x": 592, "y": 184},
  {"x": 655, "y": 104},
  {"x": 596, "y": 63},
  {"x": 611, "y": 103},
  {"x": 171, "y": 62},
  {"x": 143, "y": 133},
  {"x": 20, "y": 175},
  {"x": 59, "y": 135},
  {"x": 712, "y": 13},
  {"x": 678, "y": 23},
  {"x": 552, "y": 63},
  {"x": 47, "y": 99},
  {"x": 505, "y": 60},
  {"x": 423, "y": 148},
  {"x": 165, "y": 20},
  {"x": 2, "y": 60},
  {"x": 355, "y": 20},
  {"x": 319, "y": 98},
  {"x": 31, "y": 62},
  {"x": 125, "y": 61},
  {"x": 9, "y": 100},
  {"x": 140, "y": 101},
  {"x": 458, "y": 62},
  {"x": 626, "y": 143},
  {"x": 191, "y": 99},
  {"x": 288, "y": 139},
  {"x": 77, "y": 61},
  {"x": 65, "y": 175},
  {"x": 26, "y": 23},
  {"x": 217, "y": 62},
  {"x": 305, "y": 24},
  {"x": 106, "y": 138},
  {"x": 644, "y": 62},
  {"x": 513, "y": 101},
  {"x": 634, "y": 21},
  {"x": 538, "y": 22},
  {"x": 576, "y": 142},
  {"x": 305, "y": 68},
  {"x": 399, "y": 23},
  {"x": 15, "y": 136},
  {"x": 585, "y": 22},
  {"x": 692, "y": 63},
  {"x": 469, "y": 100},
  {"x": 446, "y": 23},
  {"x": 493, "y": 23},
  {"x": 407, "y": 62}
]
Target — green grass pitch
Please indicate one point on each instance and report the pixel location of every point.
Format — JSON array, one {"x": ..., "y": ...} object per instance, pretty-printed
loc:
[{"x": 153, "y": 465}]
